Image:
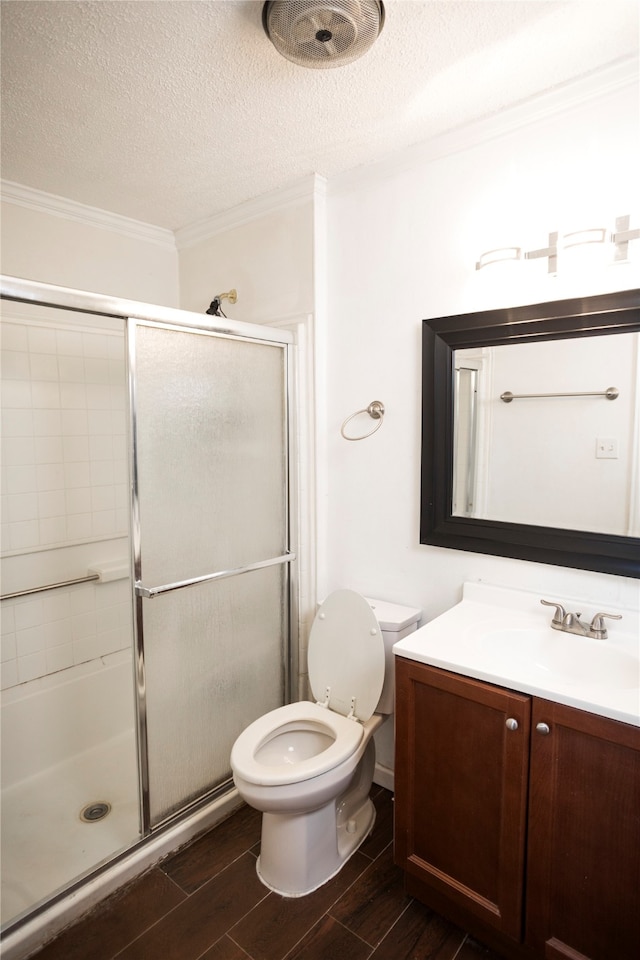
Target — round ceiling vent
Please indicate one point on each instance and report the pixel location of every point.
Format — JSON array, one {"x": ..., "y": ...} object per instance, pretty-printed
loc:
[{"x": 319, "y": 35}]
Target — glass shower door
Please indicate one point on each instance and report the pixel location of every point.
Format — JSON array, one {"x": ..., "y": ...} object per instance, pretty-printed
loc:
[{"x": 211, "y": 551}]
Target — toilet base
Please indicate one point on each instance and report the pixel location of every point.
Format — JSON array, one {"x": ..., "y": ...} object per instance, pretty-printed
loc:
[
  {"x": 301, "y": 852},
  {"x": 316, "y": 860}
]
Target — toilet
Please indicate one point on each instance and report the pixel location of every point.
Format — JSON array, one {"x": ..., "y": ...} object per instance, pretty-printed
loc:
[{"x": 309, "y": 766}]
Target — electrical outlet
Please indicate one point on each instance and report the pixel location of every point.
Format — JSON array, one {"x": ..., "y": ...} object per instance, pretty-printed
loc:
[{"x": 606, "y": 448}]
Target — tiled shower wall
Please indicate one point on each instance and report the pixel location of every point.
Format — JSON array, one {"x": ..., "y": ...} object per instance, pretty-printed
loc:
[{"x": 64, "y": 482}]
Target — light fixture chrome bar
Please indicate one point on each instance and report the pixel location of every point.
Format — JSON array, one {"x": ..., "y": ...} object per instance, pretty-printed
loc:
[
  {"x": 148, "y": 593},
  {"x": 611, "y": 393},
  {"x": 621, "y": 238},
  {"x": 50, "y": 586},
  {"x": 551, "y": 252}
]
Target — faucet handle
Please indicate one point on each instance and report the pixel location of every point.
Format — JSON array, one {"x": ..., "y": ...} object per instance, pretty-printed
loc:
[
  {"x": 560, "y": 612},
  {"x": 598, "y": 629}
]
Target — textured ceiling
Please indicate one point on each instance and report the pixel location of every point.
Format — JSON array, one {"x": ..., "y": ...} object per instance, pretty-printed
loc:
[{"x": 170, "y": 112}]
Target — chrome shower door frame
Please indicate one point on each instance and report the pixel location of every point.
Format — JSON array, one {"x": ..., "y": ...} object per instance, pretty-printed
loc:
[{"x": 144, "y": 591}]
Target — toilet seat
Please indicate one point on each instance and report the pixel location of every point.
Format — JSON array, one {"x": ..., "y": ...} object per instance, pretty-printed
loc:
[
  {"x": 346, "y": 655},
  {"x": 347, "y": 736}
]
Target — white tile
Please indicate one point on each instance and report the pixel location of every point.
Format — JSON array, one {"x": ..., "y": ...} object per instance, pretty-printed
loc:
[
  {"x": 32, "y": 666},
  {"x": 77, "y": 474},
  {"x": 18, "y": 451},
  {"x": 59, "y": 658},
  {"x": 96, "y": 371},
  {"x": 78, "y": 500},
  {"x": 69, "y": 343},
  {"x": 21, "y": 506},
  {"x": 8, "y": 617},
  {"x": 16, "y": 394},
  {"x": 100, "y": 448},
  {"x": 9, "y": 675},
  {"x": 102, "y": 498},
  {"x": 79, "y": 526},
  {"x": 118, "y": 375},
  {"x": 41, "y": 340},
  {"x": 82, "y": 599},
  {"x": 31, "y": 640},
  {"x": 73, "y": 396},
  {"x": 20, "y": 479},
  {"x": 45, "y": 394},
  {"x": 48, "y": 449},
  {"x": 56, "y": 605},
  {"x": 51, "y": 503},
  {"x": 99, "y": 422},
  {"x": 118, "y": 423},
  {"x": 71, "y": 369},
  {"x": 4, "y": 508},
  {"x": 14, "y": 336},
  {"x": 50, "y": 476},
  {"x": 103, "y": 522},
  {"x": 102, "y": 473},
  {"x": 122, "y": 496},
  {"x": 17, "y": 423},
  {"x": 98, "y": 396},
  {"x": 43, "y": 366},
  {"x": 47, "y": 423},
  {"x": 23, "y": 535},
  {"x": 95, "y": 345},
  {"x": 85, "y": 649},
  {"x": 109, "y": 641},
  {"x": 8, "y": 646},
  {"x": 14, "y": 365},
  {"x": 116, "y": 347},
  {"x": 122, "y": 523},
  {"x": 58, "y": 633},
  {"x": 75, "y": 449},
  {"x": 52, "y": 530},
  {"x": 28, "y": 613},
  {"x": 74, "y": 423},
  {"x": 118, "y": 399},
  {"x": 5, "y": 535},
  {"x": 108, "y": 596},
  {"x": 83, "y": 625}
]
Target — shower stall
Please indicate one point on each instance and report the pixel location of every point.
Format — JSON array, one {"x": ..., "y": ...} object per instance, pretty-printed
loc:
[{"x": 148, "y": 583}]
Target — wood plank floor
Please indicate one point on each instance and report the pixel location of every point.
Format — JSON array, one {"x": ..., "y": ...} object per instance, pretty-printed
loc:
[{"x": 205, "y": 902}]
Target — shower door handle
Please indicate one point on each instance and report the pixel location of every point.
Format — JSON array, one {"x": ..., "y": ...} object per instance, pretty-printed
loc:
[{"x": 148, "y": 593}]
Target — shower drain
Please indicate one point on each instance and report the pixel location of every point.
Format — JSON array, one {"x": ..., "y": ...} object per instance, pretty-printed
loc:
[{"x": 95, "y": 811}]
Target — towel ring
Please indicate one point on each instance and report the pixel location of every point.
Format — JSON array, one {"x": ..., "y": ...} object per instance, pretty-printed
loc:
[{"x": 375, "y": 411}]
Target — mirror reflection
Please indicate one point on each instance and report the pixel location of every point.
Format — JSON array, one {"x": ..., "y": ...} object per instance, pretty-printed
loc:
[{"x": 568, "y": 460}]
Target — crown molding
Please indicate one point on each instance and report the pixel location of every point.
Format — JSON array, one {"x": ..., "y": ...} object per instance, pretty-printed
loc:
[
  {"x": 602, "y": 83},
  {"x": 42, "y": 202},
  {"x": 311, "y": 188}
]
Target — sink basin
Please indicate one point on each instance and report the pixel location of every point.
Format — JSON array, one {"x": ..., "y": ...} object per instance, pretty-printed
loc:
[
  {"x": 552, "y": 654},
  {"x": 504, "y": 636}
]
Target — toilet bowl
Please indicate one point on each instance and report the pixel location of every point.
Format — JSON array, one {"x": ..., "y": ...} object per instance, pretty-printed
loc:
[{"x": 308, "y": 766}]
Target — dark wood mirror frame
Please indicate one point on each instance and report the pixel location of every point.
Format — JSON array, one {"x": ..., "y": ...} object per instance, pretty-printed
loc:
[{"x": 561, "y": 319}]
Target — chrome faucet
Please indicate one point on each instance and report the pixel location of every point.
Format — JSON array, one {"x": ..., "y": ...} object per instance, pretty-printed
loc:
[{"x": 571, "y": 622}]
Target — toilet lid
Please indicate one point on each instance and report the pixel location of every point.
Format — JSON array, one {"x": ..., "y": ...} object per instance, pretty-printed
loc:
[{"x": 346, "y": 655}]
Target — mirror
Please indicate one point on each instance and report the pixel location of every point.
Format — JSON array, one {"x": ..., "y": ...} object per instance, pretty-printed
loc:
[{"x": 526, "y": 451}]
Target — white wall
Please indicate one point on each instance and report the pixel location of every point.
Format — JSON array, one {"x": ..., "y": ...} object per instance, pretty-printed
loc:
[
  {"x": 267, "y": 258},
  {"x": 402, "y": 245},
  {"x": 75, "y": 246}
]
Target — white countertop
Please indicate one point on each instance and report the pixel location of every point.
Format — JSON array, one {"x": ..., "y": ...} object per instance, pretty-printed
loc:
[{"x": 504, "y": 637}]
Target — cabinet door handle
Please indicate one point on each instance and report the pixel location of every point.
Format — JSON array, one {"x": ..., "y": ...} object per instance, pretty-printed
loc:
[
  {"x": 543, "y": 728},
  {"x": 512, "y": 724}
]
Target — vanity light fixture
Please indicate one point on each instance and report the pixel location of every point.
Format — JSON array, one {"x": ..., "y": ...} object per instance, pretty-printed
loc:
[
  {"x": 620, "y": 239},
  {"x": 499, "y": 255}
]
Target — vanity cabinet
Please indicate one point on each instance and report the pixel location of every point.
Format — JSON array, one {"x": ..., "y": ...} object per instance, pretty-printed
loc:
[{"x": 518, "y": 817}]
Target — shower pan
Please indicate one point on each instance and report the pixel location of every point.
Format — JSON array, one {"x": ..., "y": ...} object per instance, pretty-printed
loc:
[{"x": 112, "y": 752}]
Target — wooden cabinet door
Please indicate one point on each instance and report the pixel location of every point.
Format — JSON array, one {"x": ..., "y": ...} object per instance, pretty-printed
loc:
[
  {"x": 583, "y": 881},
  {"x": 460, "y": 791}
]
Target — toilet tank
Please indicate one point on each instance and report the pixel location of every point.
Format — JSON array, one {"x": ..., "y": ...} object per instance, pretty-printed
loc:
[{"x": 396, "y": 622}]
